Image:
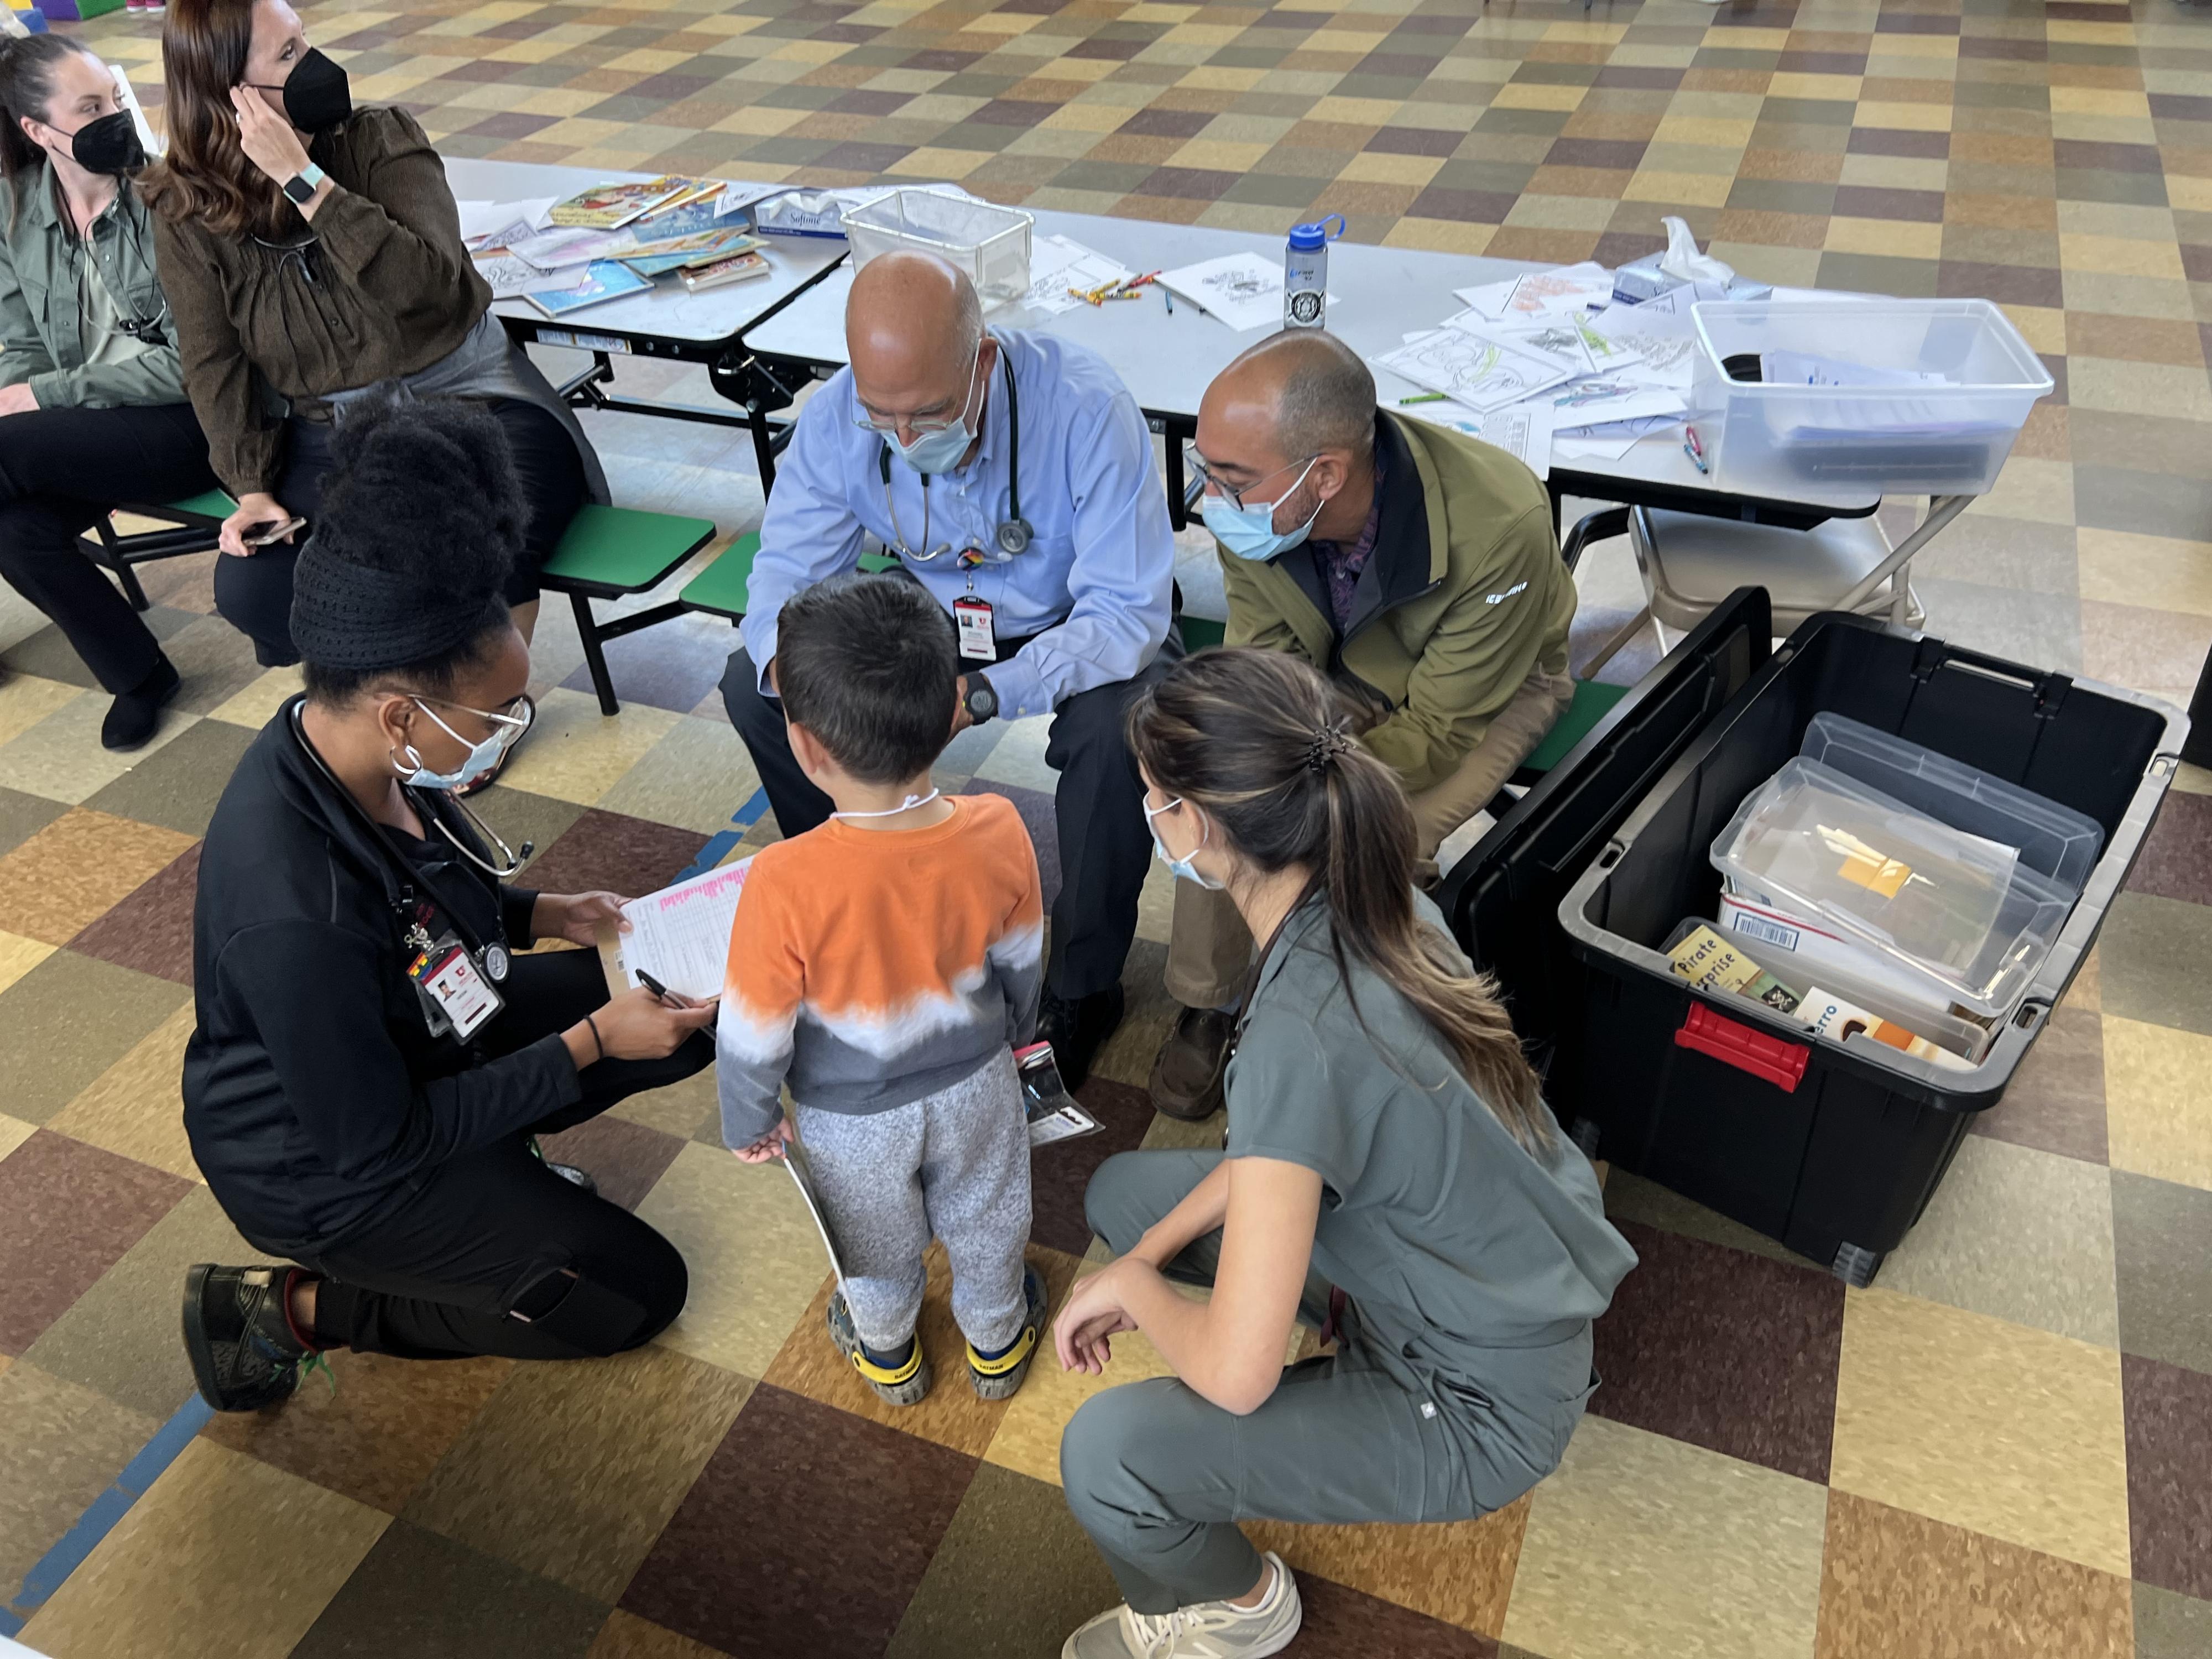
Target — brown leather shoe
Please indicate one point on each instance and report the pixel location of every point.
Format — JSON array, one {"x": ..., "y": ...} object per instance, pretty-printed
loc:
[{"x": 1187, "y": 1077}]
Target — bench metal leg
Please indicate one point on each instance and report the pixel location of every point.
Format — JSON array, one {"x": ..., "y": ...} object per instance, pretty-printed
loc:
[
  {"x": 1942, "y": 509},
  {"x": 595, "y": 655},
  {"x": 111, "y": 555}
]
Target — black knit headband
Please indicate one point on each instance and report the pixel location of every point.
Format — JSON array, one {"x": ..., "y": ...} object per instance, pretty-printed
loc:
[{"x": 348, "y": 615}]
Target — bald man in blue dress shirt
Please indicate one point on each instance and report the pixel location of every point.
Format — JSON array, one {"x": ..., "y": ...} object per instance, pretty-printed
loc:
[{"x": 1011, "y": 474}]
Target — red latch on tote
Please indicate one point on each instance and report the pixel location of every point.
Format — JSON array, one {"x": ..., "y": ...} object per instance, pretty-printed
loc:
[{"x": 1748, "y": 1050}]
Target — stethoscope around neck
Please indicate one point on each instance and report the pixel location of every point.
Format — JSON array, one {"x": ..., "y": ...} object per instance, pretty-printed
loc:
[{"x": 1013, "y": 534}]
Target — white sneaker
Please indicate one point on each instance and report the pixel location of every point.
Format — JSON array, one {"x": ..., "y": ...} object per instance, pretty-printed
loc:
[{"x": 1205, "y": 1629}]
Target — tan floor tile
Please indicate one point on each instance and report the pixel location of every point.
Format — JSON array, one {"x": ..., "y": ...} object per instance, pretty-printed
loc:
[
  {"x": 1679, "y": 189},
  {"x": 755, "y": 1257},
  {"x": 1018, "y": 757},
  {"x": 1896, "y": 1585},
  {"x": 255, "y": 705},
  {"x": 1910, "y": 117},
  {"x": 1028, "y": 1438},
  {"x": 69, "y": 874},
  {"x": 25, "y": 700},
  {"x": 2041, "y": 491},
  {"x": 1985, "y": 1424},
  {"x": 1893, "y": 237},
  {"x": 134, "y": 1107},
  {"x": 2123, "y": 568},
  {"x": 625, "y": 1636},
  {"x": 576, "y": 754},
  {"x": 60, "y": 757},
  {"x": 1401, "y": 1564},
  {"x": 2018, "y": 1234},
  {"x": 810, "y": 1364},
  {"x": 2159, "y": 1111},
  {"x": 380, "y": 1433},
  {"x": 225, "y": 1557},
  {"x": 1643, "y": 1544},
  {"x": 2139, "y": 388},
  {"x": 18, "y": 955},
  {"x": 571, "y": 1471},
  {"x": 693, "y": 778},
  {"x": 14, "y": 1132},
  {"x": 2119, "y": 256}
]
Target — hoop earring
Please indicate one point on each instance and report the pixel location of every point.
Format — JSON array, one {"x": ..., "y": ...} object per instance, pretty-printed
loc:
[{"x": 414, "y": 762}]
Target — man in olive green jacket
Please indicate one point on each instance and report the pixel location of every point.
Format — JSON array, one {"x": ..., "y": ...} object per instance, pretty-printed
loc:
[{"x": 1417, "y": 568}]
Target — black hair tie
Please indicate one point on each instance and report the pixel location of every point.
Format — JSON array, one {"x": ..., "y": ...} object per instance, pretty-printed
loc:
[{"x": 1326, "y": 744}]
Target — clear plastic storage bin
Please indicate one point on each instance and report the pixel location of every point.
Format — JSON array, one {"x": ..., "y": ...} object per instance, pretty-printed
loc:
[
  {"x": 988, "y": 242},
  {"x": 1961, "y": 911},
  {"x": 2051, "y": 840},
  {"x": 1948, "y": 435}
]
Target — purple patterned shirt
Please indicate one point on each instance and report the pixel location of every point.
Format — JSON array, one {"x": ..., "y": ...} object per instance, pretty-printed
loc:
[{"x": 1339, "y": 565}]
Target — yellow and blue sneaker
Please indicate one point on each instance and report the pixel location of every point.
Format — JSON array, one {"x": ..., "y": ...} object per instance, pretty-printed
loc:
[
  {"x": 996, "y": 1376},
  {"x": 899, "y": 1379}
]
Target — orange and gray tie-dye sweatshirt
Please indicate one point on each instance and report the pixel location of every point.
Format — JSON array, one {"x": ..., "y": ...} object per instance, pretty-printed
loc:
[{"x": 870, "y": 968}]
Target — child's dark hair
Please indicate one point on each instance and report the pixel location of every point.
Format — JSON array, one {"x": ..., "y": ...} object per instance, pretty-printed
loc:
[
  {"x": 870, "y": 665},
  {"x": 404, "y": 579}
]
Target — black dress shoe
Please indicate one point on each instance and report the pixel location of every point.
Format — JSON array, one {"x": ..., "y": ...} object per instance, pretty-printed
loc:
[
  {"x": 1076, "y": 1029},
  {"x": 1187, "y": 1077},
  {"x": 133, "y": 715}
]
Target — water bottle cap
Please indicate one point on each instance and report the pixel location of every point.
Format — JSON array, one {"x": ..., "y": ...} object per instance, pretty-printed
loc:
[{"x": 1306, "y": 238}]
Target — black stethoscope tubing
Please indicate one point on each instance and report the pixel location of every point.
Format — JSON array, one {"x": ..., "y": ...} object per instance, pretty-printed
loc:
[{"x": 1013, "y": 534}]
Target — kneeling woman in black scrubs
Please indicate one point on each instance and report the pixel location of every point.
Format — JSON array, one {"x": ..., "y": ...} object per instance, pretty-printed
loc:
[{"x": 372, "y": 1060}]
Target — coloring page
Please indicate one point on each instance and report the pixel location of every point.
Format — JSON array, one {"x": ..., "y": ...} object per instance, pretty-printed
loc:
[
  {"x": 1482, "y": 374},
  {"x": 1242, "y": 290}
]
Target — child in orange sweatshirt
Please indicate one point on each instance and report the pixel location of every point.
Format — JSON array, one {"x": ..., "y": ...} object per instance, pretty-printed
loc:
[{"x": 885, "y": 966}]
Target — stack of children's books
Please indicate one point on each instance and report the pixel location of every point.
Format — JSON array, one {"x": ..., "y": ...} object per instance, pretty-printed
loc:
[{"x": 613, "y": 239}]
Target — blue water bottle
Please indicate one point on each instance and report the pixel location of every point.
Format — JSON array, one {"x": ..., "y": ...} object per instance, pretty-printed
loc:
[{"x": 1305, "y": 273}]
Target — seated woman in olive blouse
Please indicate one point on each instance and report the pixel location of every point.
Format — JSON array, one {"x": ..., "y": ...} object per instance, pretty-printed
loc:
[{"x": 312, "y": 253}]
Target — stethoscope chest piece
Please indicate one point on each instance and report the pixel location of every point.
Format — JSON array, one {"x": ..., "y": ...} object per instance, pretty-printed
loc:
[
  {"x": 495, "y": 961},
  {"x": 1013, "y": 535}
]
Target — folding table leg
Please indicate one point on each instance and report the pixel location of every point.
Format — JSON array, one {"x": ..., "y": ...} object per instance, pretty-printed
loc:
[{"x": 595, "y": 655}]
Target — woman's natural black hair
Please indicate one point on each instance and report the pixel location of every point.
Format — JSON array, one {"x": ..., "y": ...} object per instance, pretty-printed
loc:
[
  {"x": 426, "y": 492},
  {"x": 27, "y": 87},
  {"x": 1259, "y": 744}
]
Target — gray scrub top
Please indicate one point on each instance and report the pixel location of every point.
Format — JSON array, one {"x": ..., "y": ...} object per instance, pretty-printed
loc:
[{"x": 1453, "y": 1243}]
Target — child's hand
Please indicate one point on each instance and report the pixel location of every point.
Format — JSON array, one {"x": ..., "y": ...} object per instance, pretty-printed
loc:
[{"x": 769, "y": 1145}]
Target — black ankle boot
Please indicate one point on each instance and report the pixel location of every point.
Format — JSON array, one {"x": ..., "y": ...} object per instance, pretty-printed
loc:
[
  {"x": 238, "y": 1335},
  {"x": 133, "y": 715}
]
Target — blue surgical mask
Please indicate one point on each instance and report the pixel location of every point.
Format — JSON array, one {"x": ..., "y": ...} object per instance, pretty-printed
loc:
[
  {"x": 1249, "y": 532},
  {"x": 942, "y": 450},
  {"x": 482, "y": 757},
  {"x": 1181, "y": 869}
]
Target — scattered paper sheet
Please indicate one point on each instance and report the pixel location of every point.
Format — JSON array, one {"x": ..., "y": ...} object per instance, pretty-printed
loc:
[
  {"x": 1522, "y": 431},
  {"x": 1482, "y": 374},
  {"x": 565, "y": 245},
  {"x": 1243, "y": 290},
  {"x": 680, "y": 935},
  {"x": 481, "y": 220},
  {"x": 511, "y": 277},
  {"x": 1663, "y": 343},
  {"x": 1543, "y": 292},
  {"x": 1057, "y": 264},
  {"x": 1603, "y": 398}
]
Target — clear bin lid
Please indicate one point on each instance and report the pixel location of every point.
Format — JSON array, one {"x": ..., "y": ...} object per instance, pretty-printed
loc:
[{"x": 1960, "y": 910}]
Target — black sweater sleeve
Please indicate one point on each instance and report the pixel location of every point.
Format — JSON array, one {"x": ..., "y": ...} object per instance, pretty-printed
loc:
[{"x": 314, "y": 993}]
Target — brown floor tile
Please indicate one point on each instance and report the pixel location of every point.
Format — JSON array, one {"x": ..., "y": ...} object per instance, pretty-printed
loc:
[
  {"x": 377, "y": 1435},
  {"x": 1549, "y": 246},
  {"x": 624, "y": 1157},
  {"x": 1896, "y": 1585},
  {"x": 809, "y": 1363},
  {"x": 61, "y": 1446},
  {"x": 1343, "y": 1623},
  {"x": 2176, "y": 860},
  {"x": 1059, "y": 1173},
  {"x": 418, "y": 1593},
  {"x": 1770, "y": 229},
  {"x": 68, "y": 1213},
  {"x": 2056, "y": 1100},
  {"x": 2138, "y": 339},
  {"x": 1724, "y": 1350},
  {"x": 621, "y": 854},
  {"x": 1803, "y": 166},
  {"x": 807, "y": 1533},
  {"x": 1398, "y": 1565},
  {"x": 151, "y": 931},
  {"x": 571, "y": 1471},
  {"x": 68, "y": 874},
  {"x": 2169, "y": 1415}
]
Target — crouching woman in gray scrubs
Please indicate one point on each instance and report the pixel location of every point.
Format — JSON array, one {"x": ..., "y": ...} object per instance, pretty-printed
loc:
[{"x": 1392, "y": 1176}]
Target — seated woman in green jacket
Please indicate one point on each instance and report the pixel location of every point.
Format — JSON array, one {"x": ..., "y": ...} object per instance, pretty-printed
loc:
[
  {"x": 91, "y": 402},
  {"x": 313, "y": 254},
  {"x": 1392, "y": 1176}
]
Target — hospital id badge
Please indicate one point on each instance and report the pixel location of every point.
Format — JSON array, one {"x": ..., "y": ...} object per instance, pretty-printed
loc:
[
  {"x": 456, "y": 997},
  {"x": 972, "y": 616}
]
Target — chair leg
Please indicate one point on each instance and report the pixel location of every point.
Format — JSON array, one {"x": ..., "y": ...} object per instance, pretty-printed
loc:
[
  {"x": 595, "y": 656},
  {"x": 111, "y": 555}
]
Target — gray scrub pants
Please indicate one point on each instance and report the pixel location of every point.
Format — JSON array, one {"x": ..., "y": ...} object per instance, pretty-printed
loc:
[{"x": 1158, "y": 1476}]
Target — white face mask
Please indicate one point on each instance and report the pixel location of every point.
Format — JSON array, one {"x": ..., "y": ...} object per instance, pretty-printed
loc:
[
  {"x": 1182, "y": 868},
  {"x": 905, "y": 805},
  {"x": 482, "y": 758},
  {"x": 942, "y": 450}
]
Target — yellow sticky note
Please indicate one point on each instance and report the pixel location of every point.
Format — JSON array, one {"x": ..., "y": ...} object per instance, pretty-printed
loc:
[{"x": 1879, "y": 874}]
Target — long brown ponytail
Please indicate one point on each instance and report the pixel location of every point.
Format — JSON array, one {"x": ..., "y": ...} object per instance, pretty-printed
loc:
[
  {"x": 27, "y": 87},
  {"x": 1258, "y": 741}
]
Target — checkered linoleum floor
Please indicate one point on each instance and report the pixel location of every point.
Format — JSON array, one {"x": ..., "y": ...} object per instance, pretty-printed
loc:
[{"x": 2002, "y": 1449}]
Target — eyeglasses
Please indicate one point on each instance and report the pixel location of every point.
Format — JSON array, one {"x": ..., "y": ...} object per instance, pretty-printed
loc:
[
  {"x": 510, "y": 722},
  {"x": 1208, "y": 478},
  {"x": 868, "y": 421}
]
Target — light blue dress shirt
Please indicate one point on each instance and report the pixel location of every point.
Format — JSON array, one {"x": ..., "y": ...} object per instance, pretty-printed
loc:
[{"x": 1094, "y": 585}]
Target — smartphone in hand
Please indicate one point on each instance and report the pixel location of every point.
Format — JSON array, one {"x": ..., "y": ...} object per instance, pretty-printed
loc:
[{"x": 261, "y": 534}]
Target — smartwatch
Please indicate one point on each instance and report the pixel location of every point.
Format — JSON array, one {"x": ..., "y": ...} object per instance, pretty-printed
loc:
[
  {"x": 983, "y": 700},
  {"x": 302, "y": 185}
]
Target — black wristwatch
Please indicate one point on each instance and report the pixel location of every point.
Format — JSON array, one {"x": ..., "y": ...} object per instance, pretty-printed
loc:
[
  {"x": 301, "y": 185},
  {"x": 982, "y": 702}
]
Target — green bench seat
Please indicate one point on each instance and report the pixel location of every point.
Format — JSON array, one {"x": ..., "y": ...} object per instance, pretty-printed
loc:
[
  {"x": 610, "y": 551},
  {"x": 193, "y": 525},
  {"x": 719, "y": 589}
]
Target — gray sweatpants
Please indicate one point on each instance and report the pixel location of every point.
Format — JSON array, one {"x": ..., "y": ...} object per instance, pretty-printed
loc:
[
  {"x": 1158, "y": 1476},
  {"x": 954, "y": 1165}
]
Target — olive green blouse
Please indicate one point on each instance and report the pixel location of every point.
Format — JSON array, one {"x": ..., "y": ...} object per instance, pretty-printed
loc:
[{"x": 377, "y": 285}]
